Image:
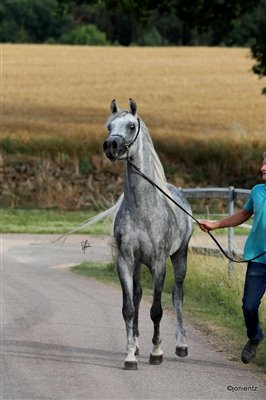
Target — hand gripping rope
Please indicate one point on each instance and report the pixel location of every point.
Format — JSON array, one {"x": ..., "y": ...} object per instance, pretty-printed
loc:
[{"x": 191, "y": 216}]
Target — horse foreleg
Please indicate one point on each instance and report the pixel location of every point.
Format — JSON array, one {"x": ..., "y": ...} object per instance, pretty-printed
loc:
[
  {"x": 156, "y": 312},
  {"x": 128, "y": 310},
  {"x": 137, "y": 295},
  {"x": 179, "y": 260}
]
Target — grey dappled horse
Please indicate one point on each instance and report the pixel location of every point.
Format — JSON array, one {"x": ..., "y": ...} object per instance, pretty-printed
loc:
[{"x": 148, "y": 229}]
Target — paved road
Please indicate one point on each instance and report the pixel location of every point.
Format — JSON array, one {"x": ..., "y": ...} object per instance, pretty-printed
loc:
[{"x": 63, "y": 336}]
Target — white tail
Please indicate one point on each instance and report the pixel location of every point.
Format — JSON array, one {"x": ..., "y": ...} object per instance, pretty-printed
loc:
[{"x": 110, "y": 212}]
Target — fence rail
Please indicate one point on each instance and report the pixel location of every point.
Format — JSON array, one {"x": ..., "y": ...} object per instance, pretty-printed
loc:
[{"x": 231, "y": 194}]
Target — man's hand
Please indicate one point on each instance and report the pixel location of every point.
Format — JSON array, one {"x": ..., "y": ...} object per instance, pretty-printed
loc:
[
  {"x": 206, "y": 226},
  {"x": 232, "y": 220}
]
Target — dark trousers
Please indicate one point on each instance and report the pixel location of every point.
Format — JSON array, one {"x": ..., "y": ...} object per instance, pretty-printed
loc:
[{"x": 255, "y": 286}]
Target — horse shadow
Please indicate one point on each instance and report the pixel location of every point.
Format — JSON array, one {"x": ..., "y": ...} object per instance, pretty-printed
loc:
[{"x": 96, "y": 357}]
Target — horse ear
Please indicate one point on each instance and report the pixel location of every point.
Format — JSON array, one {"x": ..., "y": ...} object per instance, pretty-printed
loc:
[
  {"x": 133, "y": 106},
  {"x": 113, "y": 107}
]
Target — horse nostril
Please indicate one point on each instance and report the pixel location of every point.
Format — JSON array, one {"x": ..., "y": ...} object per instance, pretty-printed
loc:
[
  {"x": 114, "y": 144},
  {"x": 105, "y": 145}
]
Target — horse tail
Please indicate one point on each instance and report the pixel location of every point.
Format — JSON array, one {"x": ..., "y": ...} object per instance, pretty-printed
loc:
[{"x": 110, "y": 212}]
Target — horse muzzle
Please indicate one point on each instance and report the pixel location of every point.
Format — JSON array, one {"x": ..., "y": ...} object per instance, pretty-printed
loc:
[{"x": 114, "y": 148}]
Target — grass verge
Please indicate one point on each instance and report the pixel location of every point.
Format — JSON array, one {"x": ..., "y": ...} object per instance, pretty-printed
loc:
[
  {"x": 49, "y": 221},
  {"x": 212, "y": 300},
  {"x": 27, "y": 220}
]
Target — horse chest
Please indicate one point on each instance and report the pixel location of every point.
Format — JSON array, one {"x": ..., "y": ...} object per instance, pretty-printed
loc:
[{"x": 144, "y": 239}]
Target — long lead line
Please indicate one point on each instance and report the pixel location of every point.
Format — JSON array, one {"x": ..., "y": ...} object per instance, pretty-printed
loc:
[{"x": 191, "y": 216}]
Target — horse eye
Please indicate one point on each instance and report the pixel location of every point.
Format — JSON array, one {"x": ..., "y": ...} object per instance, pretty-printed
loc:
[
  {"x": 109, "y": 127},
  {"x": 132, "y": 127}
]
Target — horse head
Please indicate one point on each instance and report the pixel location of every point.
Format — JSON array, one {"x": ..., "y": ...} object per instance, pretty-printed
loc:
[{"x": 123, "y": 127}]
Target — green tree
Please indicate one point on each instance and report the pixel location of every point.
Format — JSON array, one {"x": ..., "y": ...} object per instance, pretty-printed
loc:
[
  {"x": 31, "y": 21},
  {"x": 258, "y": 48},
  {"x": 216, "y": 18}
]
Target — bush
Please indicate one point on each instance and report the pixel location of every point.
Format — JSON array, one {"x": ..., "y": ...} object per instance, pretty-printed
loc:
[
  {"x": 152, "y": 38},
  {"x": 85, "y": 35}
]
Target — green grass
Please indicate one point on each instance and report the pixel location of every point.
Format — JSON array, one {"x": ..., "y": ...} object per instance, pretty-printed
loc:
[
  {"x": 212, "y": 300},
  {"x": 104, "y": 272},
  {"x": 49, "y": 221},
  {"x": 23, "y": 220}
]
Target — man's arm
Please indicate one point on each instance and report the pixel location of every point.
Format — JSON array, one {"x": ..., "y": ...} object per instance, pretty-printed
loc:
[{"x": 233, "y": 220}]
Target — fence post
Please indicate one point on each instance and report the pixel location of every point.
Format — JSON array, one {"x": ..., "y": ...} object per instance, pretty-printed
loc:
[{"x": 231, "y": 198}]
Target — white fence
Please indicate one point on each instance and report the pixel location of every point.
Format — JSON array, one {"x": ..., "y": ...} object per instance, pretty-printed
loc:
[{"x": 231, "y": 194}]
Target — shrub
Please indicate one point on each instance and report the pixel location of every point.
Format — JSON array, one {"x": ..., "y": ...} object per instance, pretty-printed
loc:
[
  {"x": 85, "y": 35},
  {"x": 151, "y": 38}
]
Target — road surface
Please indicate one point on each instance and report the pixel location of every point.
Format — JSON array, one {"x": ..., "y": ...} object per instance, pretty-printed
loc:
[{"x": 63, "y": 336}]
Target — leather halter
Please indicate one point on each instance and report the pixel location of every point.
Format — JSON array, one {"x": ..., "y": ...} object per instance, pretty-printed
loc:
[{"x": 128, "y": 145}]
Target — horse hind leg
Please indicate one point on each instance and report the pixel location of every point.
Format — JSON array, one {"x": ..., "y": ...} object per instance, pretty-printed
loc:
[
  {"x": 156, "y": 313},
  {"x": 179, "y": 261}
]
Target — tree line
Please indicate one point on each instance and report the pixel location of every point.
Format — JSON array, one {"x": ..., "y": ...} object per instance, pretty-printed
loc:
[{"x": 138, "y": 22}]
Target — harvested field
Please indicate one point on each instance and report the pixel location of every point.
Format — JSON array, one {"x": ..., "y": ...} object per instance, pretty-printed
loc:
[{"x": 203, "y": 107}]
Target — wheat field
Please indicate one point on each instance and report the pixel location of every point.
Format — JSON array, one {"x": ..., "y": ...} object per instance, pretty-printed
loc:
[{"x": 64, "y": 91}]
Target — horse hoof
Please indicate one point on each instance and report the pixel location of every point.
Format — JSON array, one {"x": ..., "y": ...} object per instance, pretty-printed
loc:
[
  {"x": 156, "y": 360},
  {"x": 137, "y": 351},
  {"x": 181, "y": 351},
  {"x": 131, "y": 365}
]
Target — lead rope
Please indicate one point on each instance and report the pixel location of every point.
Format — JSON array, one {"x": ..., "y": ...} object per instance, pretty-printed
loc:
[{"x": 191, "y": 216}]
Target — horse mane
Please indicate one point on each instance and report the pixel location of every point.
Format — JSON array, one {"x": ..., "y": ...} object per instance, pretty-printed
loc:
[{"x": 160, "y": 178}]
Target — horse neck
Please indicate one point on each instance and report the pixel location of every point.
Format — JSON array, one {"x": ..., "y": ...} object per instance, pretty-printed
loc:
[{"x": 138, "y": 192}]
